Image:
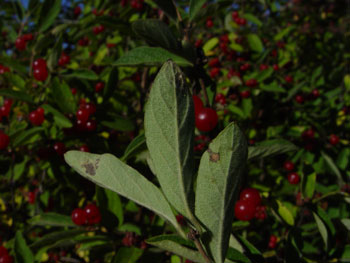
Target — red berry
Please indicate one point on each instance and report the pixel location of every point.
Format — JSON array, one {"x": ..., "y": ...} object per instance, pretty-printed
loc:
[
  {"x": 84, "y": 148},
  {"x": 209, "y": 23},
  {"x": 214, "y": 62},
  {"x": 206, "y": 119},
  {"x": 28, "y": 37},
  {"x": 40, "y": 74},
  {"x": 220, "y": 98},
  {"x": 198, "y": 43},
  {"x": 288, "y": 79},
  {"x": 308, "y": 134},
  {"x": 293, "y": 178},
  {"x": 315, "y": 93},
  {"x": 251, "y": 83},
  {"x": 4, "y": 140},
  {"x": 77, "y": 11},
  {"x": 99, "y": 86},
  {"x": 3, "y": 251},
  {"x": 231, "y": 73},
  {"x": 6, "y": 259},
  {"x": 241, "y": 21},
  {"x": 64, "y": 59},
  {"x": 251, "y": 195},
  {"x": 111, "y": 45},
  {"x": 288, "y": 165},
  {"x": 90, "y": 107},
  {"x": 224, "y": 38},
  {"x": 244, "y": 67},
  {"x": 83, "y": 115},
  {"x": 180, "y": 219},
  {"x": 60, "y": 148},
  {"x": 272, "y": 242},
  {"x": 31, "y": 197},
  {"x": 263, "y": 67},
  {"x": 79, "y": 216},
  {"x": 20, "y": 44},
  {"x": 39, "y": 63},
  {"x": 198, "y": 104},
  {"x": 90, "y": 125},
  {"x": 37, "y": 117},
  {"x": 74, "y": 91},
  {"x": 275, "y": 67},
  {"x": 214, "y": 72},
  {"x": 299, "y": 99},
  {"x": 93, "y": 214},
  {"x": 235, "y": 15},
  {"x": 245, "y": 94},
  {"x": 333, "y": 139},
  {"x": 244, "y": 210}
]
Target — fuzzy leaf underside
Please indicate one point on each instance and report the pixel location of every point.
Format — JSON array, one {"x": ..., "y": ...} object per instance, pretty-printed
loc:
[
  {"x": 169, "y": 131},
  {"x": 109, "y": 172},
  {"x": 220, "y": 171}
]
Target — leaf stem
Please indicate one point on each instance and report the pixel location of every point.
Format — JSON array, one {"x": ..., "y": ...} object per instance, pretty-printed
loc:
[
  {"x": 193, "y": 235},
  {"x": 205, "y": 94}
]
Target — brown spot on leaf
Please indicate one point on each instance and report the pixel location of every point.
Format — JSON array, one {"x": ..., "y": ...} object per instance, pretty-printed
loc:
[
  {"x": 90, "y": 168},
  {"x": 213, "y": 157}
]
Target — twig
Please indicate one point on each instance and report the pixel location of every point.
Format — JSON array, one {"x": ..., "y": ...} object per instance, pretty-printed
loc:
[
  {"x": 193, "y": 235},
  {"x": 201, "y": 82},
  {"x": 177, "y": 12}
]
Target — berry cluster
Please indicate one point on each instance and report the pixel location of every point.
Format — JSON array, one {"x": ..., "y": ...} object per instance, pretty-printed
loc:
[
  {"x": 201, "y": 142},
  {"x": 248, "y": 205},
  {"x": 21, "y": 42},
  {"x": 40, "y": 72},
  {"x": 4, "y": 69},
  {"x": 63, "y": 60},
  {"x": 238, "y": 20},
  {"x": 131, "y": 239},
  {"x": 37, "y": 117},
  {"x": 98, "y": 29},
  {"x": 84, "y": 122},
  {"x": 272, "y": 242},
  {"x": 90, "y": 215},
  {"x": 5, "y": 257},
  {"x": 293, "y": 177}
]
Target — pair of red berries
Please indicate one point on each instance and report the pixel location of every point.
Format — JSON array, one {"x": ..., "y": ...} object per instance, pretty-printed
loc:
[
  {"x": 220, "y": 98},
  {"x": 293, "y": 177},
  {"x": 238, "y": 20},
  {"x": 4, "y": 140},
  {"x": 251, "y": 83},
  {"x": 98, "y": 29},
  {"x": 21, "y": 42},
  {"x": 246, "y": 206},
  {"x": 37, "y": 117},
  {"x": 40, "y": 72},
  {"x": 90, "y": 215},
  {"x": 84, "y": 41},
  {"x": 206, "y": 118},
  {"x": 5, "y": 257},
  {"x": 272, "y": 242}
]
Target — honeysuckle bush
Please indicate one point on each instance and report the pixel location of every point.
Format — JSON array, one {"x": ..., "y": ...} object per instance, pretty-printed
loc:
[{"x": 104, "y": 89}]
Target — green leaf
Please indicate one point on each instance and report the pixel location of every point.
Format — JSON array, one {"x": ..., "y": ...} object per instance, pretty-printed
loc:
[
  {"x": 156, "y": 33},
  {"x": 346, "y": 223},
  {"x": 127, "y": 255},
  {"x": 63, "y": 96},
  {"x": 176, "y": 245},
  {"x": 13, "y": 64},
  {"x": 51, "y": 219},
  {"x": 195, "y": 7},
  {"x": 284, "y": 212},
  {"x": 264, "y": 75},
  {"x": 347, "y": 81},
  {"x": 247, "y": 105},
  {"x": 283, "y": 33},
  {"x": 236, "y": 47},
  {"x": 110, "y": 201},
  {"x": 14, "y": 94},
  {"x": 322, "y": 228},
  {"x": 333, "y": 167},
  {"x": 58, "y": 117},
  {"x": 168, "y": 7},
  {"x": 309, "y": 188},
  {"x": 249, "y": 247},
  {"x": 53, "y": 237},
  {"x": 255, "y": 43},
  {"x": 137, "y": 145},
  {"x": 112, "y": 84},
  {"x": 149, "y": 56},
  {"x": 210, "y": 44},
  {"x": 169, "y": 131},
  {"x": 119, "y": 124},
  {"x": 269, "y": 148},
  {"x": 236, "y": 256},
  {"x": 218, "y": 181},
  {"x": 315, "y": 74},
  {"x": 343, "y": 158},
  {"x": 17, "y": 81},
  {"x": 26, "y": 135},
  {"x": 49, "y": 12},
  {"x": 109, "y": 172},
  {"x": 23, "y": 254},
  {"x": 272, "y": 87},
  {"x": 81, "y": 74},
  {"x": 252, "y": 18}
]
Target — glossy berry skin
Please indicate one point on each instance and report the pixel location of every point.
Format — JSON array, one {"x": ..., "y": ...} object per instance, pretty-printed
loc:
[
  {"x": 37, "y": 117},
  {"x": 83, "y": 115},
  {"x": 220, "y": 98},
  {"x": 214, "y": 62},
  {"x": 3, "y": 251},
  {"x": 275, "y": 67},
  {"x": 28, "y": 37},
  {"x": 77, "y": 11},
  {"x": 245, "y": 94},
  {"x": 84, "y": 148},
  {"x": 79, "y": 216},
  {"x": 60, "y": 148},
  {"x": 39, "y": 63},
  {"x": 198, "y": 103},
  {"x": 90, "y": 125},
  {"x": 299, "y": 99},
  {"x": 20, "y": 44},
  {"x": 251, "y": 195},
  {"x": 64, "y": 59},
  {"x": 288, "y": 166},
  {"x": 288, "y": 79},
  {"x": 209, "y": 23},
  {"x": 99, "y": 86},
  {"x": 315, "y": 93},
  {"x": 40, "y": 74},
  {"x": 293, "y": 178},
  {"x": 272, "y": 242},
  {"x": 244, "y": 210},
  {"x": 308, "y": 134},
  {"x": 6, "y": 258},
  {"x": 4, "y": 140},
  {"x": 251, "y": 83},
  {"x": 93, "y": 215},
  {"x": 206, "y": 119},
  {"x": 31, "y": 197},
  {"x": 333, "y": 139},
  {"x": 214, "y": 72},
  {"x": 263, "y": 67}
]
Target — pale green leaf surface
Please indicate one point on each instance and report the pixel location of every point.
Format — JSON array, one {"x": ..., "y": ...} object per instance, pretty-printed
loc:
[
  {"x": 195, "y": 7},
  {"x": 169, "y": 131},
  {"x": 269, "y": 148},
  {"x": 23, "y": 253},
  {"x": 220, "y": 171},
  {"x": 255, "y": 43},
  {"x": 109, "y": 172},
  {"x": 322, "y": 228}
]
